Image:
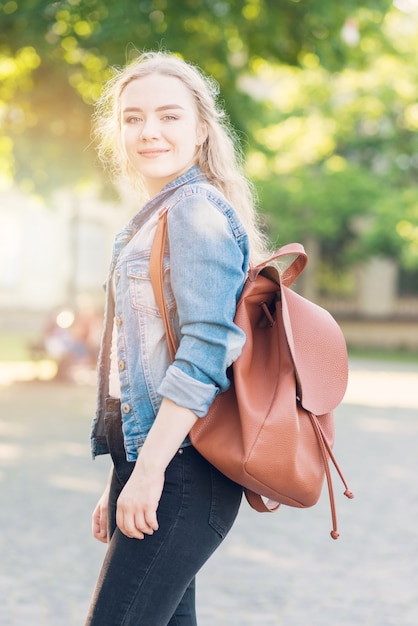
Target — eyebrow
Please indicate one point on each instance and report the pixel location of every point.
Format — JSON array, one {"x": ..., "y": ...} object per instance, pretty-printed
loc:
[{"x": 165, "y": 107}]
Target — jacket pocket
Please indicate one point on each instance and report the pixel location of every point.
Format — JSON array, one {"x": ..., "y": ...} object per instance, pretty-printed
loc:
[{"x": 140, "y": 288}]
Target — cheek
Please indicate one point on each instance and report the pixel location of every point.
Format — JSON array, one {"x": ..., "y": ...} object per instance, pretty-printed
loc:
[
  {"x": 189, "y": 140},
  {"x": 128, "y": 139}
]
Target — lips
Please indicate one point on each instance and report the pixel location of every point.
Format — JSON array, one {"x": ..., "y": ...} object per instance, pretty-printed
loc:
[{"x": 150, "y": 154}]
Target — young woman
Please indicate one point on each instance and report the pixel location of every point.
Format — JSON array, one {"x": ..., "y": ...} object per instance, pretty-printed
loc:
[{"x": 165, "y": 509}]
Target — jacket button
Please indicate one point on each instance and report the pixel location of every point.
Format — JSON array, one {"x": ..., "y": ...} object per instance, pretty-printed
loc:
[
  {"x": 121, "y": 366},
  {"x": 118, "y": 320},
  {"x": 126, "y": 407}
]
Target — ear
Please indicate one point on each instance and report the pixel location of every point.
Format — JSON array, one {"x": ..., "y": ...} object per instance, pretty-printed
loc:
[{"x": 202, "y": 133}]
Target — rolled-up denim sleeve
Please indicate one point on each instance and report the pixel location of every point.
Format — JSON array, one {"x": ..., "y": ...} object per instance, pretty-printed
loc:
[
  {"x": 187, "y": 391},
  {"x": 207, "y": 273}
]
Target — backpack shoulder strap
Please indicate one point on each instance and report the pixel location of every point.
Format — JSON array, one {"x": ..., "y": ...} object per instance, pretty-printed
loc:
[{"x": 157, "y": 278}]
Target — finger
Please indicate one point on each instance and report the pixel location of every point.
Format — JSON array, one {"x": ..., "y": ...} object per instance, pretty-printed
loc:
[
  {"x": 126, "y": 524},
  {"x": 146, "y": 522},
  {"x": 100, "y": 537},
  {"x": 98, "y": 532},
  {"x": 95, "y": 525},
  {"x": 103, "y": 525},
  {"x": 151, "y": 520}
]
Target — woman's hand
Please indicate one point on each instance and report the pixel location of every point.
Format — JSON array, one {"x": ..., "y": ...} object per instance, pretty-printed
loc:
[
  {"x": 100, "y": 513},
  {"x": 99, "y": 518},
  {"x": 136, "y": 514}
]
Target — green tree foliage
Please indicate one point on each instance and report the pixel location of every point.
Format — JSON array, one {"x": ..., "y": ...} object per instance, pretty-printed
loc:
[
  {"x": 54, "y": 57},
  {"x": 323, "y": 94},
  {"x": 342, "y": 148}
]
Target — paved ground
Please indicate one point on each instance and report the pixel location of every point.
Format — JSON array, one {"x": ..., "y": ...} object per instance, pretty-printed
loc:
[{"x": 281, "y": 569}]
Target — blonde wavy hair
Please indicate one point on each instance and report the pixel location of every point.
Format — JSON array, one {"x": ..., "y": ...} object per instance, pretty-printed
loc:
[{"x": 219, "y": 157}]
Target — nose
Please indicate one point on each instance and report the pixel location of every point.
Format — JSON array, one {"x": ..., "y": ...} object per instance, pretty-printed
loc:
[{"x": 149, "y": 129}]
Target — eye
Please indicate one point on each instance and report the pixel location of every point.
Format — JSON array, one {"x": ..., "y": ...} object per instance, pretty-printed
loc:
[
  {"x": 133, "y": 119},
  {"x": 170, "y": 118}
]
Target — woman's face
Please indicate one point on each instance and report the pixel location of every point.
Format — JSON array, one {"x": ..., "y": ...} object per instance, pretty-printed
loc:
[{"x": 160, "y": 128}]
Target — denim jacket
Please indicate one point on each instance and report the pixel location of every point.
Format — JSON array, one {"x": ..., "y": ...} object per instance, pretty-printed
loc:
[{"x": 205, "y": 265}]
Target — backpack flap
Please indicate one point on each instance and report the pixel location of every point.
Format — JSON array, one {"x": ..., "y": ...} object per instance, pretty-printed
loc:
[
  {"x": 319, "y": 352},
  {"x": 316, "y": 342}
]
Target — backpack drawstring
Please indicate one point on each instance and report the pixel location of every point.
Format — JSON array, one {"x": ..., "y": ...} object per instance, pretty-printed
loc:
[{"x": 327, "y": 454}]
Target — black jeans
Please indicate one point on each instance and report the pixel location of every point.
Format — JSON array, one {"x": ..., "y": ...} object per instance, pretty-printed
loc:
[{"x": 151, "y": 582}]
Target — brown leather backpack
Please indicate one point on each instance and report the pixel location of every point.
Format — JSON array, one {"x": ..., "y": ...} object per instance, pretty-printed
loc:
[{"x": 272, "y": 431}]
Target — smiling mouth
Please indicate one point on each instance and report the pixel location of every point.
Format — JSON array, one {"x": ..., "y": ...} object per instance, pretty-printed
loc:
[{"x": 152, "y": 153}]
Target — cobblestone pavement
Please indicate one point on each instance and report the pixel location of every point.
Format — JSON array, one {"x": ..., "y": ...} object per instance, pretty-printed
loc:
[{"x": 280, "y": 569}]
